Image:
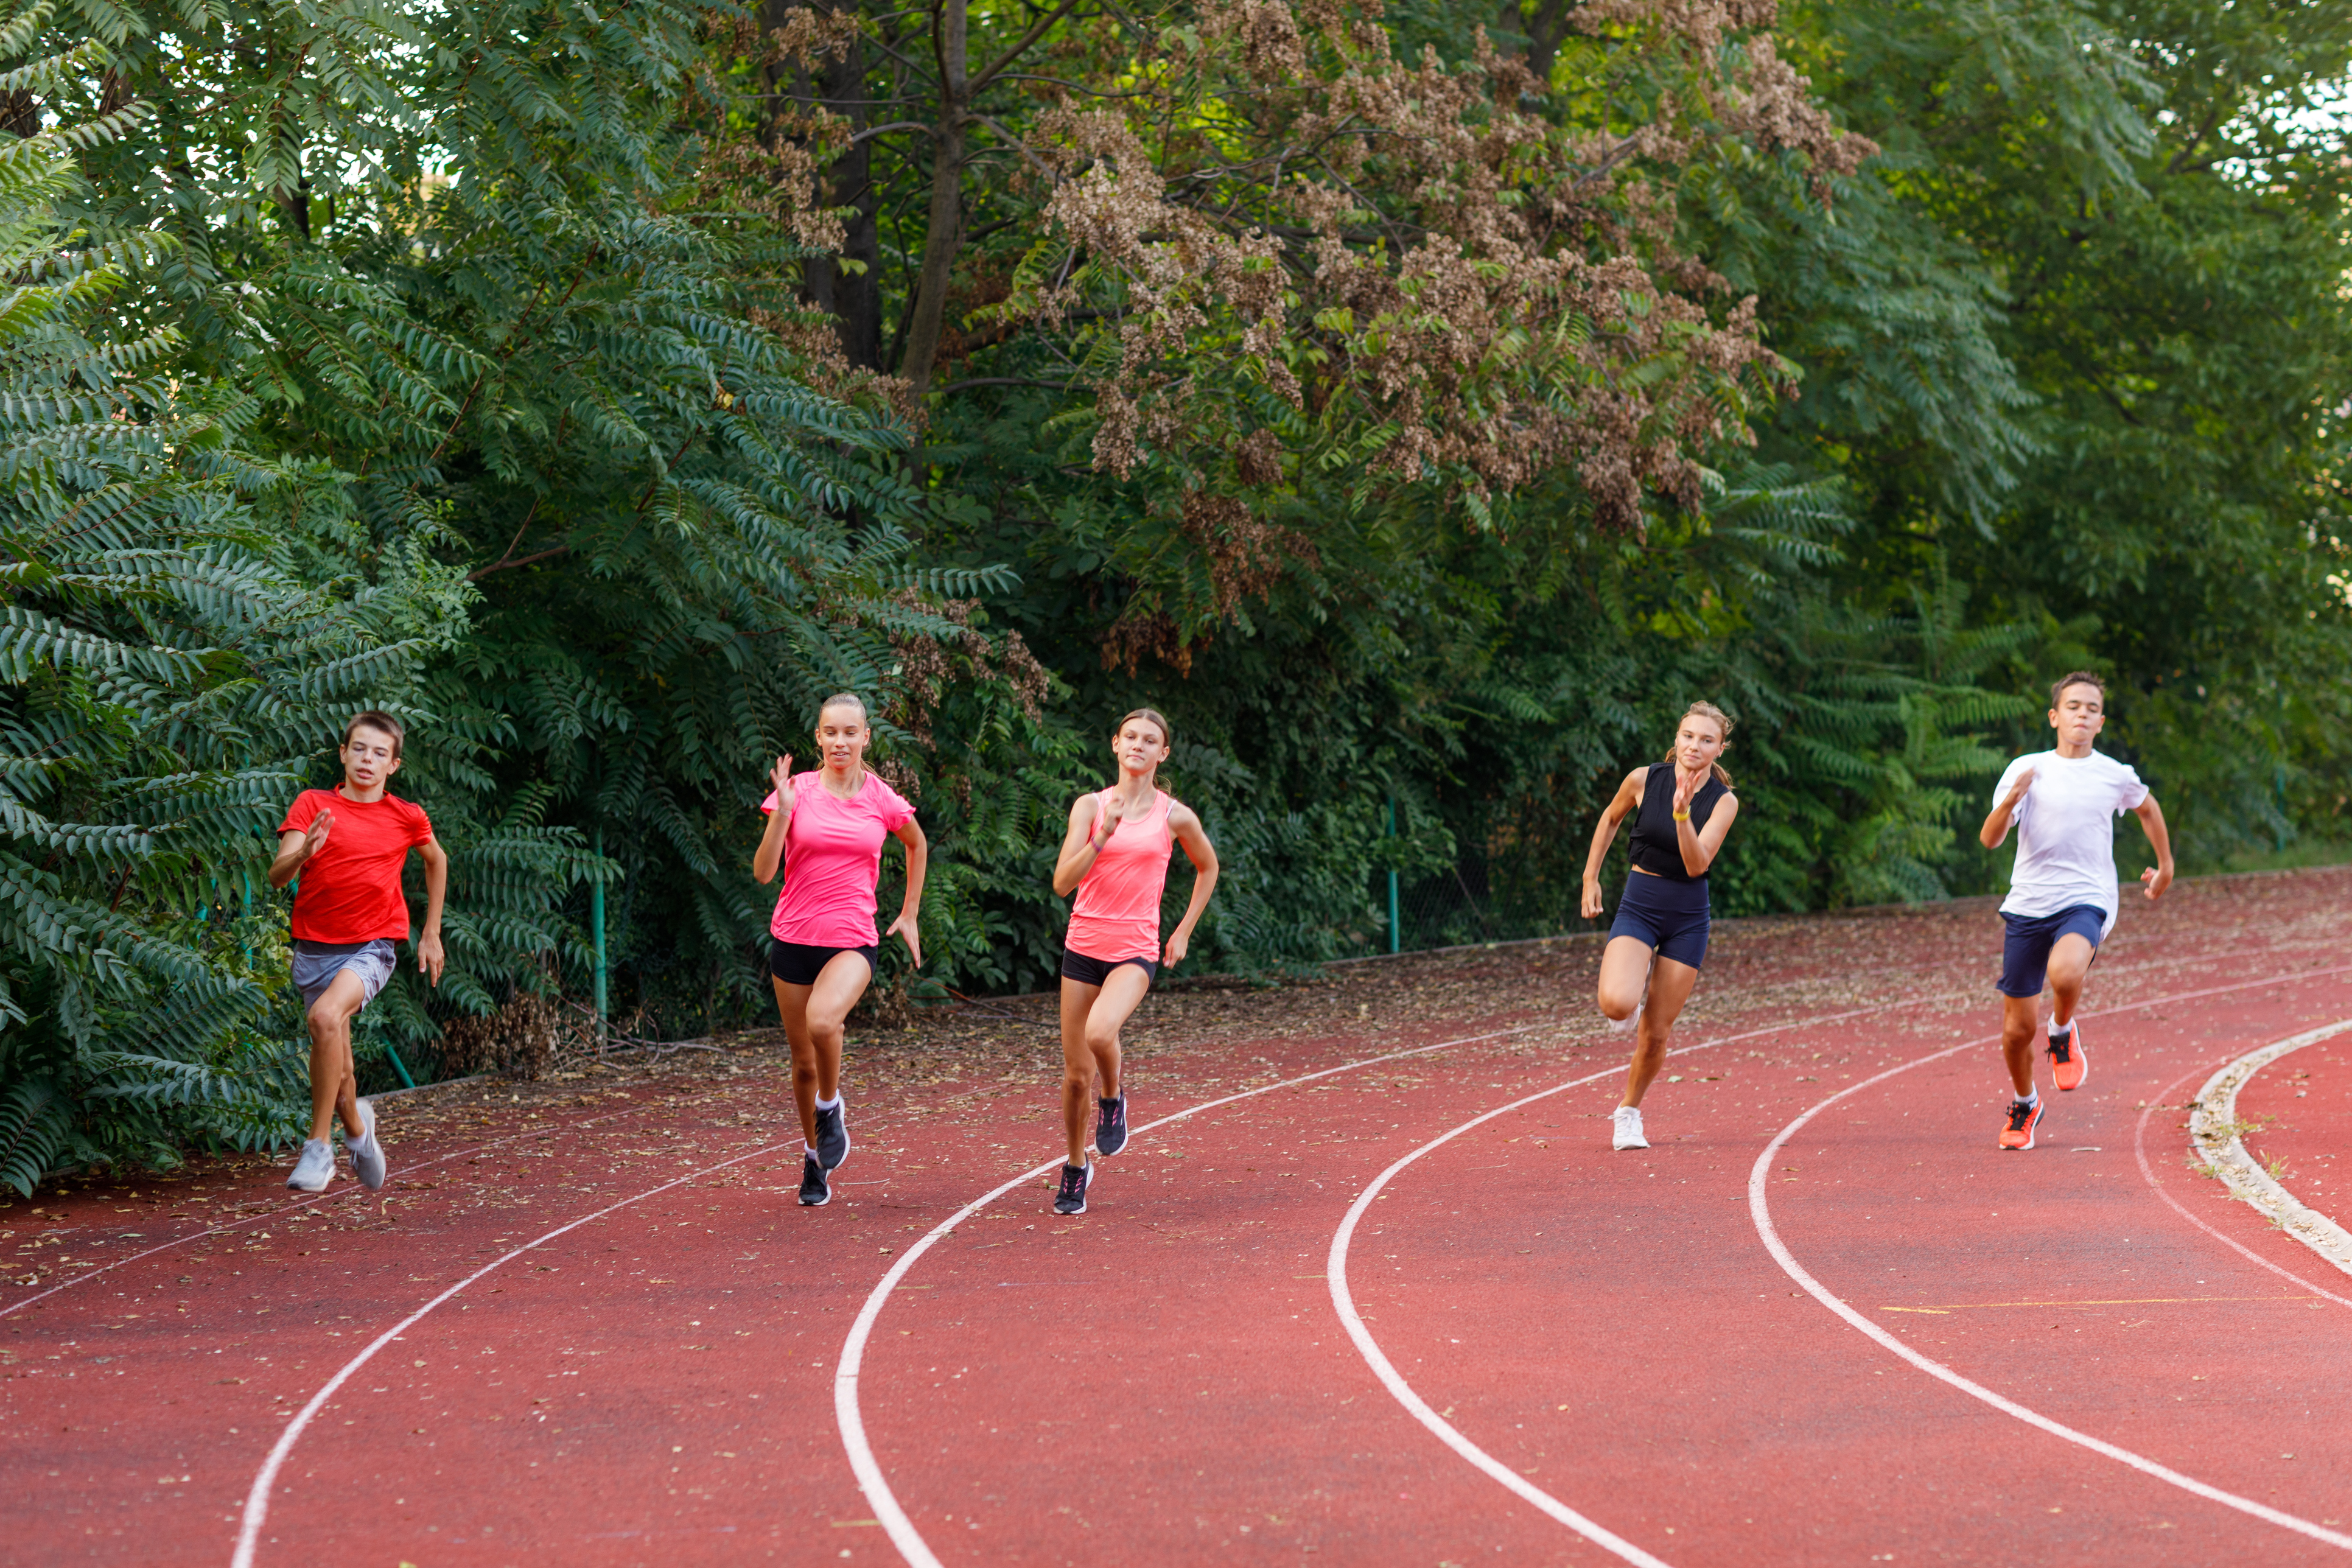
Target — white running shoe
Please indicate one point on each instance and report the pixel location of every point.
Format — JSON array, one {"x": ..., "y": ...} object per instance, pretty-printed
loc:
[
  {"x": 316, "y": 1167},
  {"x": 1629, "y": 1128},
  {"x": 367, "y": 1155}
]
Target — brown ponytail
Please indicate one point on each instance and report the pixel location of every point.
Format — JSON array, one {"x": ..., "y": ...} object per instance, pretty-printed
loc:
[{"x": 1723, "y": 722}]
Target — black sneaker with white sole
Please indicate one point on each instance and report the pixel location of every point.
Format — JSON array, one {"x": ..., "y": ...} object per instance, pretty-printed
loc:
[
  {"x": 1110, "y": 1125},
  {"x": 832, "y": 1135},
  {"x": 815, "y": 1191},
  {"x": 1075, "y": 1180}
]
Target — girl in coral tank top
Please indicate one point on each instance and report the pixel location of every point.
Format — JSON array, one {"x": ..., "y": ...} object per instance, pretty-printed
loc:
[{"x": 1115, "y": 855}]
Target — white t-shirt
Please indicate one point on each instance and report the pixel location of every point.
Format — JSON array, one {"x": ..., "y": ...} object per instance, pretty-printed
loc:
[{"x": 2066, "y": 831}]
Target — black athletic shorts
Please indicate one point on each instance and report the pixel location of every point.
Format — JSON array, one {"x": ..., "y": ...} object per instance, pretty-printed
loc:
[
  {"x": 798, "y": 963},
  {"x": 1088, "y": 971}
]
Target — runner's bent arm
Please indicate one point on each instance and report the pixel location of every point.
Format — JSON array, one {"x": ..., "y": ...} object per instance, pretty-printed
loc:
[
  {"x": 297, "y": 846},
  {"x": 1186, "y": 826},
  {"x": 1996, "y": 823},
  {"x": 1079, "y": 844},
  {"x": 2158, "y": 877},
  {"x": 1624, "y": 803},
  {"x": 769, "y": 857},
  {"x": 430, "y": 958},
  {"x": 909, "y": 925},
  {"x": 1699, "y": 849}
]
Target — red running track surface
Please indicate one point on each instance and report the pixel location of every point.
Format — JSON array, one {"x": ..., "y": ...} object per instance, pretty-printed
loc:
[{"x": 1166, "y": 1380}]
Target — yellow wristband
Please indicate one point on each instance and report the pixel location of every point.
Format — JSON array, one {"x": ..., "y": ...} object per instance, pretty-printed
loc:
[{"x": 1682, "y": 816}]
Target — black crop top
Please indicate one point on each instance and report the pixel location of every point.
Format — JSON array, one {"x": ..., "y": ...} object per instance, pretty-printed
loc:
[{"x": 1655, "y": 845}]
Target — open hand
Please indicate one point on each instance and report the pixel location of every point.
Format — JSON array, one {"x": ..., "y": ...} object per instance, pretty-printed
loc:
[
  {"x": 1686, "y": 785},
  {"x": 2017, "y": 791},
  {"x": 780, "y": 774},
  {"x": 314, "y": 837},
  {"x": 430, "y": 957},
  {"x": 2155, "y": 879},
  {"x": 908, "y": 930}
]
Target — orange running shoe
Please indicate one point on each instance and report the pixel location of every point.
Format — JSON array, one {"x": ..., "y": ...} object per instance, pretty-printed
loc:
[
  {"x": 2068, "y": 1065},
  {"x": 2023, "y": 1119}
]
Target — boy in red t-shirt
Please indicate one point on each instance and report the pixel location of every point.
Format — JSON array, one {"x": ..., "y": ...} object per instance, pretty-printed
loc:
[{"x": 349, "y": 842}]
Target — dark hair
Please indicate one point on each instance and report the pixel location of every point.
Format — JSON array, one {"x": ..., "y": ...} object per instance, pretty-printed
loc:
[
  {"x": 1167, "y": 731},
  {"x": 843, "y": 700},
  {"x": 1723, "y": 724},
  {"x": 376, "y": 718},
  {"x": 2077, "y": 678}
]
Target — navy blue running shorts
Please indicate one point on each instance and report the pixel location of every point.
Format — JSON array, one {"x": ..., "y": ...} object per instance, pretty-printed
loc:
[
  {"x": 1668, "y": 916},
  {"x": 2025, "y": 951}
]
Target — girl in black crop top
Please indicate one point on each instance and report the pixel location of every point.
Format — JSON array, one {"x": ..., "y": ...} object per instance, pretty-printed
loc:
[{"x": 1681, "y": 809}]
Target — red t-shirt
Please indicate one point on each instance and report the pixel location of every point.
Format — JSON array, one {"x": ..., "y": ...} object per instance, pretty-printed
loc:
[{"x": 350, "y": 891}]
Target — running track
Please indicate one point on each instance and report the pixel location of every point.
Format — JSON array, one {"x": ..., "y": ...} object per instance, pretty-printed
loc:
[{"x": 1392, "y": 1301}]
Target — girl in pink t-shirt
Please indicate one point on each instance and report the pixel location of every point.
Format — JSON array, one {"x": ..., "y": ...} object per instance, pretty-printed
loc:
[
  {"x": 1115, "y": 855},
  {"x": 825, "y": 831}
]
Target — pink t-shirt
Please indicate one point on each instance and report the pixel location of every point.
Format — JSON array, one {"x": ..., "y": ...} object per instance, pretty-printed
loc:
[
  {"x": 1116, "y": 914},
  {"x": 832, "y": 859}
]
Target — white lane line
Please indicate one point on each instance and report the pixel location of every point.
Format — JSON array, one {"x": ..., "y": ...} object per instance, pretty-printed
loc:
[
  {"x": 1343, "y": 1301},
  {"x": 1335, "y": 1269},
  {"x": 296, "y": 1206},
  {"x": 256, "y": 1500},
  {"x": 852, "y": 1420},
  {"x": 1760, "y": 1210},
  {"x": 2147, "y": 1174},
  {"x": 2213, "y": 1134}
]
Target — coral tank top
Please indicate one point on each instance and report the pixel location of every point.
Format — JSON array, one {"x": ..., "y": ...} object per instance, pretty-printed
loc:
[{"x": 1116, "y": 914}]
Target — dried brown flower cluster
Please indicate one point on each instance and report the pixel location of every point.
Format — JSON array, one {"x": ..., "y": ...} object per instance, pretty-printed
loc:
[
  {"x": 927, "y": 666},
  {"x": 1284, "y": 263},
  {"x": 1496, "y": 296}
]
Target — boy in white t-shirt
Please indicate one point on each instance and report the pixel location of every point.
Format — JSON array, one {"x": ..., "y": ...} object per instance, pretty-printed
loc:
[{"x": 2062, "y": 893}]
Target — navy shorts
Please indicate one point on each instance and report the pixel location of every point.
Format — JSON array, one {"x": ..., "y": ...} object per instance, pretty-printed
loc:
[
  {"x": 1669, "y": 916},
  {"x": 1088, "y": 971},
  {"x": 2025, "y": 951},
  {"x": 799, "y": 962}
]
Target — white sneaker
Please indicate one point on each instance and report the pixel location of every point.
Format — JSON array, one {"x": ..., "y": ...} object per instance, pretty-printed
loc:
[
  {"x": 1629, "y": 1128},
  {"x": 367, "y": 1155},
  {"x": 316, "y": 1167}
]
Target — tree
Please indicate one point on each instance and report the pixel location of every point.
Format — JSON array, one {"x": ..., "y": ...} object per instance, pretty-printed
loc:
[{"x": 166, "y": 678}]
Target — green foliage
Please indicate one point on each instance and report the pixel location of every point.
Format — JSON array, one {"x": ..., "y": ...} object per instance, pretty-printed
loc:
[{"x": 165, "y": 674}]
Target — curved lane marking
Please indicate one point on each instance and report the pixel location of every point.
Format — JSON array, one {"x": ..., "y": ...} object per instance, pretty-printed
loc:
[
  {"x": 1335, "y": 1270},
  {"x": 851, "y": 1418},
  {"x": 256, "y": 1500},
  {"x": 1760, "y": 1210},
  {"x": 2147, "y": 1174},
  {"x": 1343, "y": 1301},
  {"x": 2214, "y": 1134},
  {"x": 313, "y": 1200}
]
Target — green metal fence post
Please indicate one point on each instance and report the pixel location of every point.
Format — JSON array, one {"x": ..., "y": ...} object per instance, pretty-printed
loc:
[
  {"x": 597, "y": 925},
  {"x": 1396, "y": 935}
]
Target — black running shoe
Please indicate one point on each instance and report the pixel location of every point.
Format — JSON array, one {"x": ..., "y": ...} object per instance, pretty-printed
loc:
[
  {"x": 1072, "y": 1198},
  {"x": 833, "y": 1136},
  {"x": 815, "y": 1191},
  {"x": 1110, "y": 1125}
]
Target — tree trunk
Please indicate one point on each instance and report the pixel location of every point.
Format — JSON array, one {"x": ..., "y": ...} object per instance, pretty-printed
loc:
[
  {"x": 944, "y": 235},
  {"x": 851, "y": 296}
]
